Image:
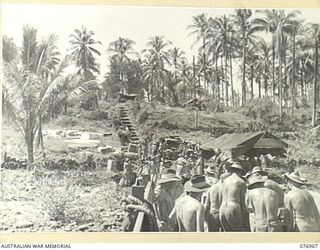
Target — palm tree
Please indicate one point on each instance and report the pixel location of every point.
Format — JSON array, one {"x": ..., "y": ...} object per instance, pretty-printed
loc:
[
  {"x": 204, "y": 66},
  {"x": 186, "y": 76},
  {"x": 221, "y": 37},
  {"x": 284, "y": 25},
  {"x": 200, "y": 28},
  {"x": 154, "y": 66},
  {"x": 268, "y": 23},
  {"x": 241, "y": 20},
  {"x": 177, "y": 59},
  {"x": 263, "y": 53},
  {"x": 292, "y": 65},
  {"x": 30, "y": 82},
  {"x": 279, "y": 24},
  {"x": 312, "y": 43},
  {"x": 122, "y": 48},
  {"x": 25, "y": 82},
  {"x": 83, "y": 49}
]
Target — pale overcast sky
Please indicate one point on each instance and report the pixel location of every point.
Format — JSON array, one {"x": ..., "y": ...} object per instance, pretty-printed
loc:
[{"x": 110, "y": 22}]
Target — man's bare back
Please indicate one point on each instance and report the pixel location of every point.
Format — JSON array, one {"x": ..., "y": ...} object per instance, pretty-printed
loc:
[
  {"x": 214, "y": 196},
  {"x": 303, "y": 209},
  {"x": 212, "y": 206},
  {"x": 264, "y": 203},
  {"x": 233, "y": 213},
  {"x": 231, "y": 189},
  {"x": 189, "y": 214}
]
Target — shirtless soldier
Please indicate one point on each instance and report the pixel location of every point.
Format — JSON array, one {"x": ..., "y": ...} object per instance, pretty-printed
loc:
[
  {"x": 258, "y": 171},
  {"x": 188, "y": 210},
  {"x": 212, "y": 205},
  {"x": 233, "y": 212},
  {"x": 301, "y": 205},
  {"x": 264, "y": 203}
]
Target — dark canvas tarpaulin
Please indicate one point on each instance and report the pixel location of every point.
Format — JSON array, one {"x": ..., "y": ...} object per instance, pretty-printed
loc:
[
  {"x": 241, "y": 143},
  {"x": 232, "y": 141},
  {"x": 269, "y": 143}
]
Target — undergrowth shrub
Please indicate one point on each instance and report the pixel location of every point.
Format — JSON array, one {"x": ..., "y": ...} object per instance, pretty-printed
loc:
[
  {"x": 54, "y": 195},
  {"x": 96, "y": 115},
  {"x": 67, "y": 121},
  {"x": 265, "y": 116}
]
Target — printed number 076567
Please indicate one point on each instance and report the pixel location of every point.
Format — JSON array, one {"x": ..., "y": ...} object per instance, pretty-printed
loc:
[{"x": 308, "y": 245}]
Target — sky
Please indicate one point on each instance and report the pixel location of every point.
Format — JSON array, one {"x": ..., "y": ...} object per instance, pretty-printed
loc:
[{"x": 111, "y": 22}]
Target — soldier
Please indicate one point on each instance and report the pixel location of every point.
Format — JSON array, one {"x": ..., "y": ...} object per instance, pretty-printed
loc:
[
  {"x": 212, "y": 205},
  {"x": 182, "y": 167},
  {"x": 233, "y": 212},
  {"x": 268, "y": 183},
  {"x": 211, "y": 173},
  {"x": 188, "y": 210},
  {"x": 300, "y": 203},
  {"x": 167, "y": 191},
  {"x": 264, "y": 204},
  {"x": 128, "y": 177}
]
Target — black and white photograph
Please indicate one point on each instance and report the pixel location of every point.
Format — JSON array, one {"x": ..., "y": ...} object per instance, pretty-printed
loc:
[{"x": 159, "y": 119}]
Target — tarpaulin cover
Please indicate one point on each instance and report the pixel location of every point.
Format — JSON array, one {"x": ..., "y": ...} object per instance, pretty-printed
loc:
[
  {"x": 258, "y": 140},
  {"x": 233, "y": 141}
]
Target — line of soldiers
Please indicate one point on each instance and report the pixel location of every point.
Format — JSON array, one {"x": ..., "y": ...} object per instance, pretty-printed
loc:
[{"x": 234, "y": 202}]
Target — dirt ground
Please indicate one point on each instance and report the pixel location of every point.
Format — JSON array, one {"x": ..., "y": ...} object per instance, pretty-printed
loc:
[{"x": 60, "y": 201}]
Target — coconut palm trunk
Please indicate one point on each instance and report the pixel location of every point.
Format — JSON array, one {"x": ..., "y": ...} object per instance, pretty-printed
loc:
[
  {"x": 226, "y": 78},
  {"x": 280, "y": 84},
  {"x": 285, "y": 79},
  {"x": 204, "y": 69},
  {"x": 243, "y": 85},
  {"x": 251, "y": 81},
  {"x": 273, "y": 71},
  {"x": 301, "y": 84},
  {"x": 223, "y": 78},
  {"x": 265, "y": 82},
  {"x": 293, "y": 72},
  {"x": 231, "y": 81},
  {"x": 314, "y": 110},
  {"x": 194, "y": 75},
  {"x": 29, "y": 140},
  {"x": 217, "y": 80}
]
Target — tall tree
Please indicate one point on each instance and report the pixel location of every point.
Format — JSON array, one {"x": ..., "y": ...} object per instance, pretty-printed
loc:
[
  {"x": 122, "y": 48},
  {"x": 25, "y": 84},
  {"x": 312, "y": 42},
  {"x": 221, "y": 40},
  {"x": 83, "y": 48},
  {"x": 241, "y": 19},
  {"x": 268, "y": 22},
  {"x": 200, "y": 29},
  {"x": 284, "y": 26},
  {"x": 279, "y": 24},
  {"x": 156, "y": 58}
]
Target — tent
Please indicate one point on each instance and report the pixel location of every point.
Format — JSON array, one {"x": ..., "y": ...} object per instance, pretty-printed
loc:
[{"x": 249, "y": 144}]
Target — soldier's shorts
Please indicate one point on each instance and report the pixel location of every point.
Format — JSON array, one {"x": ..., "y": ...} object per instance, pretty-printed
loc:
[
  {"x": 266, "y": 226},
  {"x": 231, "y": 217}
]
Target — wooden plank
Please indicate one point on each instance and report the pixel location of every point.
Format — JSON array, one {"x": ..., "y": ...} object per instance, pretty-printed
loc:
[
  {"x": 139, "y": 221},
  {"x": 148, "y": 193}
]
